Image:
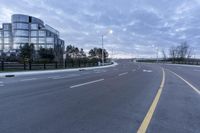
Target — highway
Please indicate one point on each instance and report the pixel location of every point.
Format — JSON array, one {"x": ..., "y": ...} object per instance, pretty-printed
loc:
[{"x": 128, "y": 98}]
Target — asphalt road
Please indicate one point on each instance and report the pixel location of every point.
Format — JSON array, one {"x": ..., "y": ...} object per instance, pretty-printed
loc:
[{"x": 109, "y": 100}]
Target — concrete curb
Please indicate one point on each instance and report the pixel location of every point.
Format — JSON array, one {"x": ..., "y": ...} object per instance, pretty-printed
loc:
[{"x": 7, "y": 74}]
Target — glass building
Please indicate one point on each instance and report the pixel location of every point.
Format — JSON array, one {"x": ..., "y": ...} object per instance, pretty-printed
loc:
[{"x": 27, "y": 29}]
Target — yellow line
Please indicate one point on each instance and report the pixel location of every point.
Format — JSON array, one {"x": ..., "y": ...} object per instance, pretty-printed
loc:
[
  {"x": 188, "y": 83},
  {"x": 148, "y": 117}
]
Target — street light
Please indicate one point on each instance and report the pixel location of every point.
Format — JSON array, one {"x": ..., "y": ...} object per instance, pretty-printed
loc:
[{"x": 102, "y": 57}]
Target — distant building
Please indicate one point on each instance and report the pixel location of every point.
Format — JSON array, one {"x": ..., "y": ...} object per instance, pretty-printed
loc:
[{"x": 27, "y": 29}]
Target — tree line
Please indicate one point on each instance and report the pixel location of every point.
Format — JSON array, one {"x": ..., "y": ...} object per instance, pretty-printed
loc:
[
  {"x": 179, "y": 53},
  {"x": 75, "y": 54},
  {"x": 27, "y": 53}
]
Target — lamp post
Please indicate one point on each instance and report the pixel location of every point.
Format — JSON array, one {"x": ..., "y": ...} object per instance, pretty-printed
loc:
[{"x": 102, "y": 39}]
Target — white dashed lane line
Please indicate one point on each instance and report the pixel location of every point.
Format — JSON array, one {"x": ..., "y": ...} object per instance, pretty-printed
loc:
[
  {"x": 52, "y": 77},
  {"x": 123, "y": 74},
  {"x": 86, "y": 83},
  {"x": 31, "y": 79}
]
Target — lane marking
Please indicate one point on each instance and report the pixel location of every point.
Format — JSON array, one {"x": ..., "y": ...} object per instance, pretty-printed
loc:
[
  {"x": 86, "y": 83},
  {"x": 31, "y": 79},
  {"x": 145, "y": 123},
  {"x": 188, "y": 83},
  {"x": 123, "y": 74},
  {"x": 133, "y": 70},
  {"x": 60, "y": 77},
  {"x": 63, "y": 77},
  {"x": 148, "y": 71},
  {"x": 53, "y": 77}
]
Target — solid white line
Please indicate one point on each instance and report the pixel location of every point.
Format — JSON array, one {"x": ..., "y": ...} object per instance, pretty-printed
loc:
[
  {"x": 123, "y": 74},
  {"x": 53, "y": 77},
  {"x": 59, "y": 77},
  {"x": 188, "y": 83},
  {"x": 196, "y": 70},
  {"x": 23, "y": 80},
  {"x": 1, "y": 84},
  {"x": 82, "y": 84}
]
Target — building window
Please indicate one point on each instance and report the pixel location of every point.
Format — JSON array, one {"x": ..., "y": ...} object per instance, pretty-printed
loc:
[
  {"x": 41, "y": 40},
  {"x": 21, "y": 40},
  {"x": 20, "y": 26},
  {"x": 42, "y": 33},
  {"x": 6, "y": 34},
  {"x": 49, "y": 34},
  {"x": 1, "y": 40},
  {"x": 6, "y": 47},
  {"x": 6, "y": 40},
  {"x": 0, "y": 34},
  {"x": 33, "y": 40},
  {"x": 20, "y": 18},
  {"x": 6, "y": 27},
  {"x": 34, "y": 33},
  {"x": 50, "y": 40},
  {"x": 34, "y": 26},
  {"x": 21, "y": 33}
]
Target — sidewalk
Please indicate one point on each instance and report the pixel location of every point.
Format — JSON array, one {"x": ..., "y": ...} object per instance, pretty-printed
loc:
[{"x": 53, "y": 71}]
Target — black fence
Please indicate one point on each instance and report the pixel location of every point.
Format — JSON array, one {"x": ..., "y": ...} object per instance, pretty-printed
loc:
[{"x": 16, "y": 66}]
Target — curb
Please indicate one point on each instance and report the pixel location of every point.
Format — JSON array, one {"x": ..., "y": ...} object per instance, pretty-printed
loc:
[{"x": 13, "y": 74}]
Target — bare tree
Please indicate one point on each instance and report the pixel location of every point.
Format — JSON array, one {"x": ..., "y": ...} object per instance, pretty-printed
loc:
[
  {"x": 183, "y": 50},
  {"x": 173, "y": 52},
  {"x": 190, "y": 51},
  {"x": 180, "y": 52}
]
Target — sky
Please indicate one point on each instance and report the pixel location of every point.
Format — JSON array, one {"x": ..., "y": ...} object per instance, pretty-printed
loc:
[{"x": 139, "y": 26}]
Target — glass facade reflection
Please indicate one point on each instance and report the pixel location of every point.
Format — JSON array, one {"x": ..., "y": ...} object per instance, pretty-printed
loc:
[{"x": 27, "y": 29}]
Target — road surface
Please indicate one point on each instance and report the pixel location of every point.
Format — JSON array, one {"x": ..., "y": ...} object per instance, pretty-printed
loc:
[{"x": 128, "y": 98}]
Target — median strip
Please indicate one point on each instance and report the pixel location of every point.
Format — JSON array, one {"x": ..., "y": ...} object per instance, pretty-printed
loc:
[
  {"x": 86, "y": 83},
  {"x": 145, "y": 123},
  {"x": 123, "y": 74},
  {"x": 188, "y": 83}
]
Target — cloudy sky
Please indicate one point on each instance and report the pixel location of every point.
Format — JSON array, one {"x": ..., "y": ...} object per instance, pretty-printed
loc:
[{"x": 139, "y": 25}]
